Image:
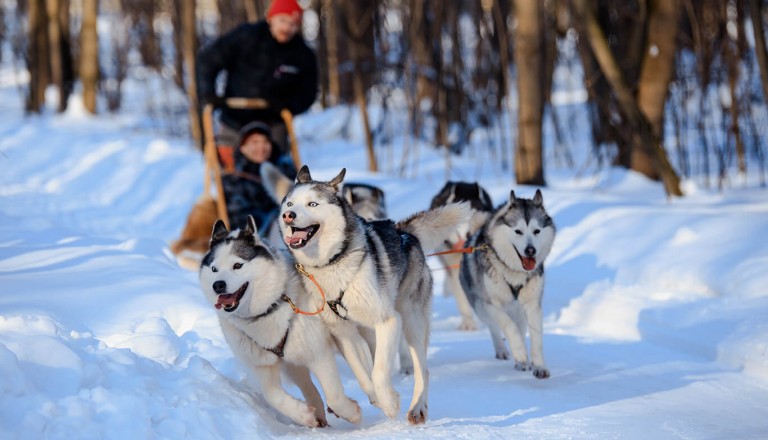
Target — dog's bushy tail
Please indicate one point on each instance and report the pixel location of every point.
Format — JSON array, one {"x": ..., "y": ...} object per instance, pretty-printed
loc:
[
  {"x": 434, "y": 226},
  {"x": 275, "y": 182}
]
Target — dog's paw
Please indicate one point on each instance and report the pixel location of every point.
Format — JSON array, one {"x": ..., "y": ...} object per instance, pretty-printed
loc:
[
  {"x": 322, "y": 422},
  {"x": 349, "y": 411},
  {"x": 306, "y": 417},
  {"x": 502, "y": 355},
  {"x": 540, "y": 372},
  {"x": 389, "y": 402},
  {"x": 467, "y": 325},
  {"x": 522, "y": 366},
  {"x": 417, "y": 415}
]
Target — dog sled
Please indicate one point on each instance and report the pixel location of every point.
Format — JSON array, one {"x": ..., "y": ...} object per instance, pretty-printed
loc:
[{"x": 193, "y": 242}]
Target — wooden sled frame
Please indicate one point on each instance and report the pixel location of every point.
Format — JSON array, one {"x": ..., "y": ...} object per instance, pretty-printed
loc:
[{"x": 210, "y": 149}]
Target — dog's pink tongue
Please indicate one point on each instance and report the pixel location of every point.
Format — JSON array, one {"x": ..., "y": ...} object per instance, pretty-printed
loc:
[
  {"x": 296, "y": 237},
  {"x": 225, "y": 300},
  {"x": 528, "y": 263}
]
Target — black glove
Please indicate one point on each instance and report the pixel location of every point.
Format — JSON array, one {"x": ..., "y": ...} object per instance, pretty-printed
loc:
[{"x": 215, "y": 100}]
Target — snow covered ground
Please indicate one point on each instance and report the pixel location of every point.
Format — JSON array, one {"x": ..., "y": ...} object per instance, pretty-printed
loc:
[{"x": 655, "y": 309}]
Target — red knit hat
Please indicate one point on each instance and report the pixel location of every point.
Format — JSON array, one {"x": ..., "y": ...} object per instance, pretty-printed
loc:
[{"x": 290, "y": 7}]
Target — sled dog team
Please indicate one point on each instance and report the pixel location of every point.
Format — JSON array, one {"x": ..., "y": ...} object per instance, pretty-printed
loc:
[{"x": 350, "y": 281}]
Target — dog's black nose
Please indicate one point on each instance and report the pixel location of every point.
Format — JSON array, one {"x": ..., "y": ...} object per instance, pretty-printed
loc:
[
  {"x": 288, "y": 216},
  {"x": 220, "y": 287},
  {"x": 530, "y": 251}
]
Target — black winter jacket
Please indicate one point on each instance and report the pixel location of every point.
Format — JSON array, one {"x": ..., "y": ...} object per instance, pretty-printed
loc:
[{"x": 258, "y": 66}]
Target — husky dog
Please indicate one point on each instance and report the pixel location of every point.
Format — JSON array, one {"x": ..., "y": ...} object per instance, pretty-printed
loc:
[
  {"x": 255, "y": 289},
  {"x": 504, "y": 277},
  {"x": 374, "y": 274},
  {"x": 366, "y": 200},
  {"x": 482, "y": 207}
]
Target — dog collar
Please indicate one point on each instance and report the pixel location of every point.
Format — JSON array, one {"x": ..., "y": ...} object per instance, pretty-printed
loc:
[{"x": 272, "y": 308}]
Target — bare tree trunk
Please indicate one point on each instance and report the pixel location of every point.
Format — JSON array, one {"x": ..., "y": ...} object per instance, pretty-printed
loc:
[
  {"x": 331, "y": 35},
  {"x": 755, "y": 10},
  {"x": 733, "y": 62},
  {"x": 642, "y": 132},
  {"x": 530, "y": 87},
  {"x": 440, "y": 103},
  {"x": 89, "y": 54},
  {"x": 423, "y": 68},
  {"x": 178, "y": 55},
  {"x": 363, "y": 105},
  {"x": 54, "y": 44},
  {"x": 189, "y": 48},
  {"x": 359, "y": 29},
  {"x": 67, "y": 59},
  {"x": 3, "y": 28},
  {"x": 37, "y": 56},
  {"x": 656, "y": 73},
  {"x": 501, "y": 33},
  {"x": 142, "y": 15},
  {"x": 251, "y": 13}
]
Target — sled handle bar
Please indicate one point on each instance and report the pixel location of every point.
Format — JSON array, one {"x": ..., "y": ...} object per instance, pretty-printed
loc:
[{"x": 246, "y": 103}]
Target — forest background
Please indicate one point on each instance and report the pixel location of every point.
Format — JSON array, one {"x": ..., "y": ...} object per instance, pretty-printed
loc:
[{"x": 674, "y": 88}]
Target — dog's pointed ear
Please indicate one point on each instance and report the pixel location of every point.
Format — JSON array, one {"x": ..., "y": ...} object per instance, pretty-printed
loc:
[
  {"x": 336, "y": 181},
  {"x": 250, "y": 226},
  {"x": 219, "y": 231},
  {"x": 512, "y": 197},
  {"x": 538, "y": 199},
  {"x": 303, "y": 176}
]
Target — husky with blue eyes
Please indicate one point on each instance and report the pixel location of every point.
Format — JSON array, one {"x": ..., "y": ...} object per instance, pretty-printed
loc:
[
  {"x": 504, "y": 278},
  {"x": 374, "y": 275},
  {"x": 256, "y": 290}
]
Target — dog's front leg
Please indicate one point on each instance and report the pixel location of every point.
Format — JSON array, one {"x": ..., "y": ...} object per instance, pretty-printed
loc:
[
  {"x": 355, "y": 351},
  {"x": 387, "y": 339},
  {"x": 294, "y": 409},
  {"x": 515, "y": 338},
  {"x": 532, "y": 307},
  {"x": 300, "y": 376},
  {"x": 499, "y": 346},
  {"x": 324, "y": 368}
]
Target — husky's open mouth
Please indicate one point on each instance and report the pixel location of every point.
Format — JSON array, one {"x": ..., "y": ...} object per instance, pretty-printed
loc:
[
  {"x": 528, "y": 263},
  {"x": 230, "y": 301},
  {"x": 300, "y": 236}
]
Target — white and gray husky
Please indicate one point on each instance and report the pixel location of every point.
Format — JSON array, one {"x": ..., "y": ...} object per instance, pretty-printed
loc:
[
  {"x": 504, "y": 277},
  {"x": 374, "y": 274},
  {"x": 254, "y": 289}
]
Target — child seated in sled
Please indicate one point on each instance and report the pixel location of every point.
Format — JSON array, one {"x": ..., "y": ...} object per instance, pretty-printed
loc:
[{"x": 243, "y": 190}]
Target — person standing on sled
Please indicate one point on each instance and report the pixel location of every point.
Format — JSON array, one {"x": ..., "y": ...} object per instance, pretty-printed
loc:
[
  {"x": 243, "y": 190},
  {"x": 269, "y": 60}
]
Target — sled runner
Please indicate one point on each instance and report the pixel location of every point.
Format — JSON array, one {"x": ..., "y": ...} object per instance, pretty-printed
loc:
[{"x": 194, "y": 240}]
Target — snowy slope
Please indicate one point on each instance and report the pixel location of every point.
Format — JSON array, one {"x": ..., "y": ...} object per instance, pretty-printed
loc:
[{"x": 654, "y": 309}]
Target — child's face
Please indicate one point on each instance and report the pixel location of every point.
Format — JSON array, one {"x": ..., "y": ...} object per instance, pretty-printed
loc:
[{"x": 256, "y": 148}]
